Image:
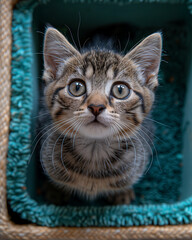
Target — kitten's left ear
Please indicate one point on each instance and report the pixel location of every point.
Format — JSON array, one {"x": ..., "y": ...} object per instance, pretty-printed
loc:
[
  {"x": 147, "y": 57},
  {"x": 56, "y": 51}
]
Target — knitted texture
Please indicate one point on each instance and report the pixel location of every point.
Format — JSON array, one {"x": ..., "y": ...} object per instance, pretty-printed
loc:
[{"x": 159, "y": 186}]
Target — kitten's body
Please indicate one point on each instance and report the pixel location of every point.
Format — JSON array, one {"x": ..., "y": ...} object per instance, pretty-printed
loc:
[
  {"x": 94, "y": 167},
  {"x": 100, "y": 142}
]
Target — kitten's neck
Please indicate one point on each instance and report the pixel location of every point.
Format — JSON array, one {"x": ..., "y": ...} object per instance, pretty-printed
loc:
[{"x": 97, "y": 149}]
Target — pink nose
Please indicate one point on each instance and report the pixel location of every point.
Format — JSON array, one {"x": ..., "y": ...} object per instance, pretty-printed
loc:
[{"x": 96, "y": 109}]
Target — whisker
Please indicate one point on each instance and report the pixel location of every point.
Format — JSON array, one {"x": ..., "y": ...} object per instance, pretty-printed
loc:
[
  {"x": 56, "y": 143},
  {"x": 113, "y": 129},
  {"x": 40, "y": 115},
  {"x": 44, "y": 143},
  {"x": 129, "y": 176},
  {"x": 126, "y": 42},
  {"x": 78, "y": 29},
  {"x": 47, "y": 126},
  {"x": 54, "y": 126},
  {"x": 148, "y": 129},
  {"x": 157, "y": 122},
  {"x": 71, "y": 35},
  {"x": 56, "y": 129},
  {"x": 76, "y": 133},
  {"x": 85, "y": 42},
  {"x": 153, "y": 134},
  {"x": 149, "y": 147},
  {"x": 135, "y": 154},
  {"x": 64, "y": 140},
  {"x": 134, "y": 134}
]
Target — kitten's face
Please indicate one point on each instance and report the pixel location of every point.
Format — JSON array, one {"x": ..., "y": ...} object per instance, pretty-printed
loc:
[{"x": 99, "y": 94}]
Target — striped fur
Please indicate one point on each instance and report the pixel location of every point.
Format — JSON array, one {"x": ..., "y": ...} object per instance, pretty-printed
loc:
[{"x": 108, "y": 153}]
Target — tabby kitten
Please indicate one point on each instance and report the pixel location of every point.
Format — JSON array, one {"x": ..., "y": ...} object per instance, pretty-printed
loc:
[{"x": 99, "y": 140}]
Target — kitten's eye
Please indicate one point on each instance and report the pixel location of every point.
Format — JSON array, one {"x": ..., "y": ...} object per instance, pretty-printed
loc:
[
  {"x": 77, "y": 88},
  {"x": 120, "y": 91}
]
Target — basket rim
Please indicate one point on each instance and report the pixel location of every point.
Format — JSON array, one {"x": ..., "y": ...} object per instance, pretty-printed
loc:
[{"x": 10, "y": 230}]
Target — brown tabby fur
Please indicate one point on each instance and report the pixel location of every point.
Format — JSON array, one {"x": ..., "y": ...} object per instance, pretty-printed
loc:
[{"x": 109, "y": 156}]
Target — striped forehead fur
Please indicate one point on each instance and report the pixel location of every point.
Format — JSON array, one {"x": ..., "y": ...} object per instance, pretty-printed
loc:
[{"x": 99, "y": 62}]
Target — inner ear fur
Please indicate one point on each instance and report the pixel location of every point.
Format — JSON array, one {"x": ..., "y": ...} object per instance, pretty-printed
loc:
[
  {"x": 57, "y": 50},
  {"x": 147, "y": 57}
]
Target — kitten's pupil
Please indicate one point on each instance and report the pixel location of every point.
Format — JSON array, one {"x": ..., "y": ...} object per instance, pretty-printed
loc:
[
  {"x": 78, "y": 86},
  {"x": 120, "y": 89}
]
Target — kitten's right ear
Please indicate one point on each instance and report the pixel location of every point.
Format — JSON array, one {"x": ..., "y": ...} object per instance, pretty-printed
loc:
[
  {"x": 56, "y": 51},
  {"x": 147, "y": 57}
]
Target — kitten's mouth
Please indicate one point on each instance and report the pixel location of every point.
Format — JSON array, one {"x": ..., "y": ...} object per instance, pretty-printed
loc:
[
  {"x": 96, "y": 128},
  {"x": 96, "y": 122}
]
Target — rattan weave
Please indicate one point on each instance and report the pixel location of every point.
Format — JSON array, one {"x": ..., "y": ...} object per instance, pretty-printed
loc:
[{"x": 10, "y": 230}]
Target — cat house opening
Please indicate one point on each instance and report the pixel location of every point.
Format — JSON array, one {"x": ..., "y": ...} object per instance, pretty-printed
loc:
[
  {"x": 168, "y": 178},
  {"x": 81, "y": 22}
]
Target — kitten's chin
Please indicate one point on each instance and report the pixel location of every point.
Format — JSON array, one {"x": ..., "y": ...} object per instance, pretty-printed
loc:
[{"x": 95, "y": 130}]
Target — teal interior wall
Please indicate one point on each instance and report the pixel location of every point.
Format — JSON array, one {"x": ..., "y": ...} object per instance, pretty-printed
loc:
[{"x": 186, "y": 189}]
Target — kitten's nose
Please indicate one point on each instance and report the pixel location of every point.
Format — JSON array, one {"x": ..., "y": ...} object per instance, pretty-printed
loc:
[{"x": 96, "y": 109}]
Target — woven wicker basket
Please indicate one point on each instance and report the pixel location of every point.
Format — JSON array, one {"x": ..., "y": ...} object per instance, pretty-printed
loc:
[{"x": 10, "y": 230}]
